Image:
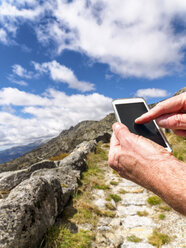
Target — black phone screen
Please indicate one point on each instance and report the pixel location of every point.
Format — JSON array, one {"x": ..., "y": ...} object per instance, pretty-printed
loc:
[{"x": 129, "y": 112}]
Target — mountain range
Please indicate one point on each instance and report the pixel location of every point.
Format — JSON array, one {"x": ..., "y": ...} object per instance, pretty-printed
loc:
[{"x": 16, "y": 151}]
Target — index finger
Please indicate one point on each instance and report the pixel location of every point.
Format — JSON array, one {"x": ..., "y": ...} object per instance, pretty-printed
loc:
[{"x": 171, "y": 105}]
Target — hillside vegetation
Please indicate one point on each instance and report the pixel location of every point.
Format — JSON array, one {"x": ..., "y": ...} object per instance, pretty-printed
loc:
[{"x": 178, "y": 145}]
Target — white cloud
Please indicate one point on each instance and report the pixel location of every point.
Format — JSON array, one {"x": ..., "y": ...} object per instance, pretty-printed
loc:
[
  {"x": 14, "y": 13},
  {"x": 8, "y": 109},
  {"x": 135, "y": 38},
  {"x": 13, "y": 96},
  {"x": 13, "y": 79},
  {"x": 61, "y": 73},
  {"x": 19, "y": 82},
  {"x": 50, "y": 113},
  {"x": 151, "y": 93},
  {"x": 3, "y": 36},
  {"x": 20, "y": 9},
  {"x": 18, "y": 70}
]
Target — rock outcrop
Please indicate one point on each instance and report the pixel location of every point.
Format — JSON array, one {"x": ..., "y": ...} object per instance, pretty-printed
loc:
[
  {"x": 29, "y": 210},
  {"x": 69, "y": 169},
  {"x": 10, "y": 179},
  {"x": 37, "y": 196}
]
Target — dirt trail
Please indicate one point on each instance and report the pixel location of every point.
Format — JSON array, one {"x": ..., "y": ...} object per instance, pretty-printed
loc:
[{"x": 135, "y": 219}]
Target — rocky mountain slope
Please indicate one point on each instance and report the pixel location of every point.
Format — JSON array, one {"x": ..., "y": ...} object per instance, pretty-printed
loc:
[{"x": 65, "y": 142}]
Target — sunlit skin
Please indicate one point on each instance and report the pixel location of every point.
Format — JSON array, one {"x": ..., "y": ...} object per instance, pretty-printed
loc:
[
  {"x": 170, "y": 113},
  {"x": 147, "y": 163}
]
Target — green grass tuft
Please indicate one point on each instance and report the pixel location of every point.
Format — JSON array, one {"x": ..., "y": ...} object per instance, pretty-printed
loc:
[
  {"x": 64, "y": 238},
  {"x": 122, "y": 191},
  {"x": 114, "y": 183},
  {"x": 134, "y": 239},
  {"x": 115, "y": 173},
  {"x": 142, "y": 213},
  {"x": 161, "y": 216},
  {"x": 115, "y": 197},
  {"x": 158, "y": 239},
  {"x": 110, "y": 206},
  {"x": 106, "y": 145},
  {"x": 164, "y": 208},
  {"x": 101, "y": 152},
  {"x": 154, "y": 200},
  {"x": 101, "y": 186},
  {"x": 108, "y": 213}
]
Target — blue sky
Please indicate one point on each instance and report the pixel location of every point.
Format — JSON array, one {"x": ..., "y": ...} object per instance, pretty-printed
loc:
[{"x": 62, "y": 61}]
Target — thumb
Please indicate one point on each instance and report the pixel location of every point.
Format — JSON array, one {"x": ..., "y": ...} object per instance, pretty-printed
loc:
[
  {"x": 120, "y": 131},
  {"x": 172, "y": 121}
]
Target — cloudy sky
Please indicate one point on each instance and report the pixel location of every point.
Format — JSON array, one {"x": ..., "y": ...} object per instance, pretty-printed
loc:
[{"x": 63, "y": 61}]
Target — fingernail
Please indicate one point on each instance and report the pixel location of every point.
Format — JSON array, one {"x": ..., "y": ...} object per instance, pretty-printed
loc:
[
  {"x": 116, "y": 126},
  {"x": 140, "y": 117},
  {"x": 136, "y": 120}
]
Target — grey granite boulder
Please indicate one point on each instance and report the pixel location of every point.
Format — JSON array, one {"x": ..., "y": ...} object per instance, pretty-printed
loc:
[
  {"x": 10, "y": 179},
  {"x": 70, "y": 168},
  {"x": 68, "y": 179},
  {"x": 29, "y": 210},
  {"x": 76, "y": 160}
]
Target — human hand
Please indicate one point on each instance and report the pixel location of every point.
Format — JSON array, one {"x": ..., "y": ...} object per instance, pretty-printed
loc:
[
  {"x": 149, "y": 165},
  {"x": 170, "y": 113},
  {"x": 135, "y": 157}
]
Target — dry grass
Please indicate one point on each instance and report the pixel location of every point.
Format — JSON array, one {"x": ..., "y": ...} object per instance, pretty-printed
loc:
[
  {"x": 134, "y": 239},
  {"x": 158, "y": 239},
  {"x": 142, "y": 213},
  {"x": 62, "y": 237},
  {"x": 178, "y": 145},
  {"x": 59, "y": 157}
]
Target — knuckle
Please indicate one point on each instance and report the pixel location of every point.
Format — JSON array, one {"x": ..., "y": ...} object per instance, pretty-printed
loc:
[
  {"x": 178, "y": 120},
  {"x": 161, "y": 105}
]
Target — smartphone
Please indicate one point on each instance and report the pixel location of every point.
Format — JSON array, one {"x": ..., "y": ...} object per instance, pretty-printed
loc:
[{"x": 128, "y": 109}]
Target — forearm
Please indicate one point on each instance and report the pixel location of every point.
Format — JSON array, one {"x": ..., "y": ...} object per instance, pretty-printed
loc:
[{"x": 170, "y": 184}]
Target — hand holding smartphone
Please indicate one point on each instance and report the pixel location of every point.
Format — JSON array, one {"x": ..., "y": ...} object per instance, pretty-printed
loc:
[{"x": 129, "y": 109}]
